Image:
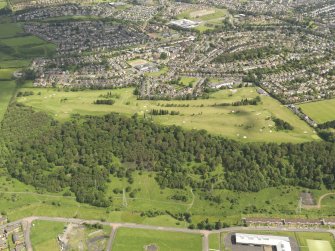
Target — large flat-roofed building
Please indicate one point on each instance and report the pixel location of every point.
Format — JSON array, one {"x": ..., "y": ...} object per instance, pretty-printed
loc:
[
  {"x": 280, "y": 243},
  {"x": 185, "y": 23}
]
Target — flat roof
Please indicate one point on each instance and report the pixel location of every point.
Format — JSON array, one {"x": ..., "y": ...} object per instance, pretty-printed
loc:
[{"x": 282, "y": 243}]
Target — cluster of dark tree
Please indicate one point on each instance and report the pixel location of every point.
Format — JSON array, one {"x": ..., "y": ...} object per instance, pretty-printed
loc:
[
  {"x": 110, "y": 95},
  {"x": 155, "y": 112},
  {"x": 181, "y": 197},
  {"x": 81, "y": 154},
  {"x": 247, "y": 54},
  {"x": 104, "y": 102},
  {"x": 242, "y": 102},
  {"x": 326, "y": 125},
  {"x": 175, "y": 105},
  {"x": 282, "y": 125},
  {"x": 24, "y": 94},
  {"x": 206, "y": 224}
]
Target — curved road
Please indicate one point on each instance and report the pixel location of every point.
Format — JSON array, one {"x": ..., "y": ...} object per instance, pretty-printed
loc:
[{"x": 26, "y": 223}]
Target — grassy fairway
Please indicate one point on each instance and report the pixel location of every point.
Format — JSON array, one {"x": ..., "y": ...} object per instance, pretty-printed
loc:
[
  {"x": 244, "y": 123},
  {"x": 6, "y": 92},
  {"x": 44, "y": 235},
  {"x": 321, "y": 111},
  {"x": 135, "y": 239}
]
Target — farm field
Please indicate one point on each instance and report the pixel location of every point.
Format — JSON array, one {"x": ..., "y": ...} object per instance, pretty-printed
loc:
[
  {"x": 320, "y": 111},
  {"x": 134, "y": 239},
  {"x": 244, "y": 123},
  {"x": 44, "y": 235}
]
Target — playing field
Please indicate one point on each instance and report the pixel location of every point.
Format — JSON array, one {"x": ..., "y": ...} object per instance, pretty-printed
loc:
[
  {"x": 310, "y": 241},
  {"x": 319, "y": 245},
  {"x": 137, "y": 62},
  {"x": 137, "y": 239},
  {"x": 321, "y": 111},
  {"x": 244, "y": 123},
  {"x": 44, "y": 235}
]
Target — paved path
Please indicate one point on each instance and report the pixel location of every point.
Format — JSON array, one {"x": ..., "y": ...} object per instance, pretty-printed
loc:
[{"x": 26, "y": 223}]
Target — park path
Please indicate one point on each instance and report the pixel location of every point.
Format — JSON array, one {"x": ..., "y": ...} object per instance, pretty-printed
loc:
[
  {"x": 319, "y": 204},
  {"x": 192, "y": 202},
  {"x": 322, "y": 197}
]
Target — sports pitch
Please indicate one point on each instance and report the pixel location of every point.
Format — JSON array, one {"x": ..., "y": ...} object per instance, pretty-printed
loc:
[
  {"x": 321, "y": 111},
  {"x": 319, "y": 245}
]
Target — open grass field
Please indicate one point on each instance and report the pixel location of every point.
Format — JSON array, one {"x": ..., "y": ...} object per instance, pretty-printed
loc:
[
  {"x": 204, "y": 15},
  {"x": 136, "y": 240},
  {"x": 244, "y": 123},
  {"x": 3, "y": 4},
  {"x": 7, "y": 89},
  {"x": 307, "y": 241},
  {"x": 321, "y": 111},
  {"x": 6, "y": 74},
  {"x": 137, "y": 62},
  {"x": 319, "y": 245},
  {"x": 209, "y": 17},
  {"x": 315, "y": 241},
  {"x": 44, "y": 235}
]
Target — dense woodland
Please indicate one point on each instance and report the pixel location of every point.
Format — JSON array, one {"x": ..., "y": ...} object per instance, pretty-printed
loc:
[{"x": 83, "y": 152}]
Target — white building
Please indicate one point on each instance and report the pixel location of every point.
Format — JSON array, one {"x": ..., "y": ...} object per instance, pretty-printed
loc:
[
  {"x": 280, "y": 242},
  {"x": 185, "y": 23}
]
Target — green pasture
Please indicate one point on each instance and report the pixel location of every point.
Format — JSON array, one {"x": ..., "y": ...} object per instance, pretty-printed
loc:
[
  {"x": 243, "y": 123},
  {"x": 320, "y": 111},
  {"x": 7, "y": 89},
  {"x": 7, "y": 74},
  {"x": 44, "y": 235},
  {"x": 3, "y": 4},
  {"x": 17, "y": 48},
  {"x": 136, "y": 239},
  {"x": 8, "y": 30}
]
